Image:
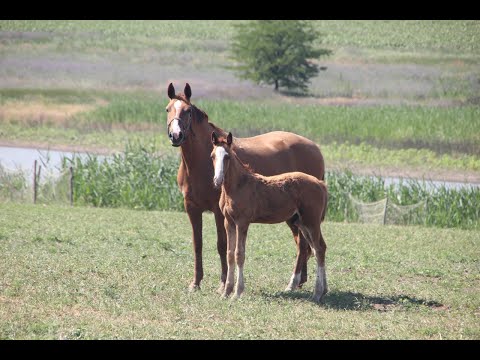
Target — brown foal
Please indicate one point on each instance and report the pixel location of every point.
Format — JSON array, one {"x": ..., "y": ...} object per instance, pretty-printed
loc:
[{"x": 248, "y": 197}]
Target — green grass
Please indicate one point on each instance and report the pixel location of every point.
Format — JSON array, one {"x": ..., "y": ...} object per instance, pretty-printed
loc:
[
  {"x": 82, "y": 273},
  {"x": 364, "y": 154},
  {"x": 401, "y": 126},
  {"x": 443, "y": 36},
  {"x": 442, "y": 129}
]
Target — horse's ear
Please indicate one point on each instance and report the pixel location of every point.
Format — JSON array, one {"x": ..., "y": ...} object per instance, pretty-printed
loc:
[
  {"x": 214, "y": 138},
  {"x": 229, "y": 138},
  {"x": 187, "y": 91},
  {"x": 171, "y": 91}
]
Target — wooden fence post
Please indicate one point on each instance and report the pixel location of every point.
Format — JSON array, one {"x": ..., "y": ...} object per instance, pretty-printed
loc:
[
  {"x": 385, "y": 212},
  {"x": 35, "y": 182},
  {"x": 71, "y": 186}
]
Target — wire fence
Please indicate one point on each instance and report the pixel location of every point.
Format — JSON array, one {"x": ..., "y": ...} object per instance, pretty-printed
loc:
[{"x": 385, "y": 212}]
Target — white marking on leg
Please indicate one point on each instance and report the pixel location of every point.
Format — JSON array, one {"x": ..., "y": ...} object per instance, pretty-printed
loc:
[
  {"x": 294, "y": 281},
  {"x": 319, "y": 284},
  {"x": 219, "y": 155},
  {"x": 240, "y": 284},
  {"x": 230, "y": 280}
]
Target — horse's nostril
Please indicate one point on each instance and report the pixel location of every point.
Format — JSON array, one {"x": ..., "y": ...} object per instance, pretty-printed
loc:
[{"x": 180, "y": 135}]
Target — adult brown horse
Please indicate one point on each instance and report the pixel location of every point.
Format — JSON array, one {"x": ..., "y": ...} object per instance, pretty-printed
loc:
[{"x": 268, "y": 154}]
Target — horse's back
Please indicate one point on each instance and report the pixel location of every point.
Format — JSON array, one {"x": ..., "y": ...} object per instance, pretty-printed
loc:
[{"x": 279, "y": 152}]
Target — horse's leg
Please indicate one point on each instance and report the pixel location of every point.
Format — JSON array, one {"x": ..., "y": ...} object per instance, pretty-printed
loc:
[
  {"x": 323, "y": 245},
  {"x": 221, "y": 247},
  {"x": 306, "y": 252},
  {"x": 231, "y": 239},
  {"x": 295, "y": 279},
  {"x": 320, "y": 248},
  {"x": 299, "y": 275},
  {"x": 195, "y": 216},
  {"x": 240, "y": 257}
]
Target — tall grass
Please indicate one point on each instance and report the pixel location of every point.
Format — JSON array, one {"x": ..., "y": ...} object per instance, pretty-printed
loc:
[
  {"x": 441, "y": 129},
  {"x": 445, "y": 207},
  {"x": 392, "y": 126},
  {"x": 13, "y": 185},
  {"x": 137, "y": 178}
]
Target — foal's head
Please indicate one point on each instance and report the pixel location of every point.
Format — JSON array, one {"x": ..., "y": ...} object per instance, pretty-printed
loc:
[
  {"x": 220, "y": 156},
  {"x": 179, "y": 115}
]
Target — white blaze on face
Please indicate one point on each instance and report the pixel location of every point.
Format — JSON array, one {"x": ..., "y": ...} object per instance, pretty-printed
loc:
[
  {"x": 175, "y": 126},
  {"x": 219, "y": 171}
]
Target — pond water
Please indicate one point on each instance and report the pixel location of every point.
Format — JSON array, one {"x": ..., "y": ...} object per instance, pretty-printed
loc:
[{"x": 16, "y": 158}]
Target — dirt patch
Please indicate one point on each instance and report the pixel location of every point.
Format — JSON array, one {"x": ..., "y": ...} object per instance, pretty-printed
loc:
[
  {"x": 384, "y": 307},
  {"x": 38, "y": 112},
  {"x": 57, "y": 147}
]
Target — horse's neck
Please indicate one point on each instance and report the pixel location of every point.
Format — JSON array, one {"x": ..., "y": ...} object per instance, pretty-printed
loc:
[
  {"x": 196, "y": 150},
  {"x": 237, "y": 175}
]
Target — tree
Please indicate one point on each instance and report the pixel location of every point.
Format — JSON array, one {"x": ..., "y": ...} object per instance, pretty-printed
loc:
[{"x": 276, "y": 52}]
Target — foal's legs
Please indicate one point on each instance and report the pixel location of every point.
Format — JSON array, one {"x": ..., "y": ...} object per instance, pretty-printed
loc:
[
  {"x": 299, "y": 275},
  {"x": 312, "y": 232},
  {"x": 321, "y": 286},
  {"x": 231, "y": 241},
  {"x": 240, "y": 257}
]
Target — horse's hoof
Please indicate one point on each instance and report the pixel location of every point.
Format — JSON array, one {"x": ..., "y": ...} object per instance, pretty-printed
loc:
[
  {"x": 316, "y": 298},
  {"x": 221, "y": 288},
  {"x": 193, "y": 287}
]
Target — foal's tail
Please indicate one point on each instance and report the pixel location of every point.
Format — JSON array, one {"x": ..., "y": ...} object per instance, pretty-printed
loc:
[{"x": 324, "y": 210}]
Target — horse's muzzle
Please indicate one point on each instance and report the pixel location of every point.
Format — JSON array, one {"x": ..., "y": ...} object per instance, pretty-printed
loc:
[{"x": 178, "y": 141}]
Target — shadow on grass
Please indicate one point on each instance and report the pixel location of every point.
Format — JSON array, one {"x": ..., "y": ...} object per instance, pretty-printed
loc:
[{"x": 347, "y": 300}]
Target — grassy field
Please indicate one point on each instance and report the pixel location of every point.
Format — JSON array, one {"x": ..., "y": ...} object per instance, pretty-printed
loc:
[
  {"x": 399, "y": 95},
  {"x": 445, "y": 36},
  {"x": 82, "y": 273}
]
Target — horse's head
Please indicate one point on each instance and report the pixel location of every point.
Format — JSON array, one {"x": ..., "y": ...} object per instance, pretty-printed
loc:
[
  {"x": 220, "y": 156},
  {"x": 179, "y": 115}
]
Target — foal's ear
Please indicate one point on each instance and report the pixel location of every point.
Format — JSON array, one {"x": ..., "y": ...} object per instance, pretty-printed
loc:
[
  {"x": 214, "y": 138},
  {"x": 171, "y": 91},
  {"x": 187, "y": 91},
  {"x": 229, "y": 138}
]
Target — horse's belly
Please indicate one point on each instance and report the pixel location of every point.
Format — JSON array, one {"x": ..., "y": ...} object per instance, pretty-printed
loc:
[{"x": 274, "y": 216}]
